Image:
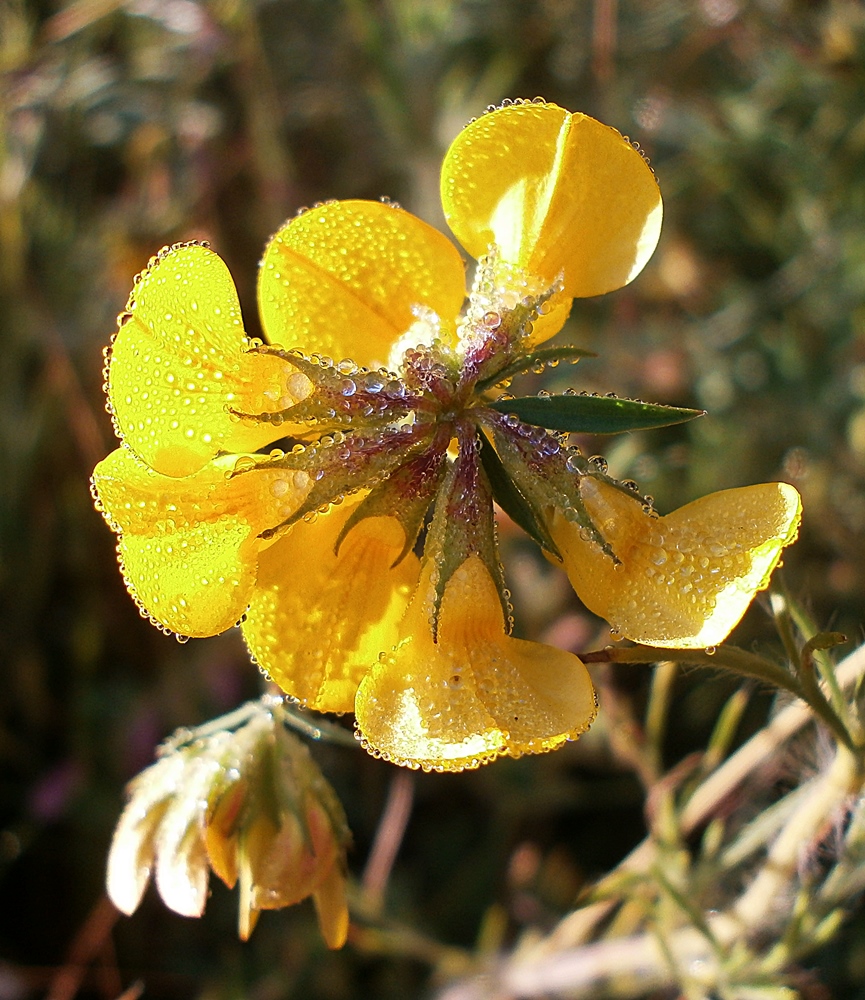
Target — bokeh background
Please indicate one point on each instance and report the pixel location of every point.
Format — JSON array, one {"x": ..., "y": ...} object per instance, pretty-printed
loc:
[{"x": 129, "y": 124}]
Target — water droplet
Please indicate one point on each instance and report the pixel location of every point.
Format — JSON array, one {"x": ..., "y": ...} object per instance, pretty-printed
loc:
[{"x": 710, "y": 650}]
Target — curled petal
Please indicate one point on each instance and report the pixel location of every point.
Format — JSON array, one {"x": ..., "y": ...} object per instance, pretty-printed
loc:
[
  {"x": 475, "y": 694},
  {"x": 188, "y": 546},
  {"x": 220, "y": 830},
  {"x": 332, "y": 909},
  {"x": 683, "y": 580},
  {"x": 318, "y": 619},
  {"x": 133, "y": 847},
  {"x": 178, "y": 365},
  {"x": 345, "y": 280},
  {"x": 282, "y": 870},
  {"x": 558, "y": 193},
  {"x": 182, "y": 868}
]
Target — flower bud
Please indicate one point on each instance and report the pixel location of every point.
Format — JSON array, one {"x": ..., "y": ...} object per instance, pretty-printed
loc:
[{"x": 251, "y": 805}]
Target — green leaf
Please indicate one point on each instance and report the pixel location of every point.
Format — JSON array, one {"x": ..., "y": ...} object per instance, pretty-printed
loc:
[
  {"x": 593, "y": 414},
  {"x": 545, "y": 356},
  {"x": 511, "y": 501}
]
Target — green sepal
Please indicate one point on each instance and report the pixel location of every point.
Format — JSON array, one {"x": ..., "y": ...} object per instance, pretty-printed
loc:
[
  {"x": 593, "y": 414},
  {"x": 328, "y": 406},
  {"x": 511, "y": 500},
  {"x": 406, "y": 494},
  {"x": 344, "y": 464},
  {"x": 464, "y": 525},
  {"x": 544, "y": 356},
  {"x": 548, "y": 475}
]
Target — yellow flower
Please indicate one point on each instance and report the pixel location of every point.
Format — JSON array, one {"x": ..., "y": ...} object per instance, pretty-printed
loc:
[
  {"x": 476, "y": 692},
  {"x": 251, "y": 805},
  {"x": 290, "y": 481},
  {"x": 683, "y": 580}
]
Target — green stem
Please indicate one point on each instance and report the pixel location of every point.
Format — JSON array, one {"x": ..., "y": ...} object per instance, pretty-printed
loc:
[
  {"x": 739, "y": 661},
  {"x": 824, "y": 663}
]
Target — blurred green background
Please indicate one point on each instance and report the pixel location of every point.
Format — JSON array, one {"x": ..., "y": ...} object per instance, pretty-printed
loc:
[{"x": 128, "y": 124}]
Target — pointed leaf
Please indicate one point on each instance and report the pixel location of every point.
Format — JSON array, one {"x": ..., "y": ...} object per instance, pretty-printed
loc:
[
  {"x": 511, "y": 500},
  {"x": 406, "y": 494},
  {"x": 594, "y": 414},
  {"x": 463, "y": 524}
]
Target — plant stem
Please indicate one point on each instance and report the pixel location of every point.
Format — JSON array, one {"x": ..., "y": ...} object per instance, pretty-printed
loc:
[{"x": 739, "y": 661}]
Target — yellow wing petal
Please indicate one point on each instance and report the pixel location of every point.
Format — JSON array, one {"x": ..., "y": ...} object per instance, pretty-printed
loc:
[
  {"x": 178, "y": 363},
  {"x": 188, "y": 546},
  {"x": 317, "y": 621},
  {"x": 343, "y": 280},
  {"x": 476, "y": 693},
  {"x": 557, "y": 192},
  {"x": 686, "y": 579}
]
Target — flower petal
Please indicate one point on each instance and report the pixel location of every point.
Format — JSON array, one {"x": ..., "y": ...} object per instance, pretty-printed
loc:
[
  {"x": 474, "y": 694},
  {"x": 557, "y": 193},
  {"x": 683, "y": 580},
  {"x": 133, "y": 847},
  {"x": 187, "y": 546},
  {"x": 343, "y": 280},
  {"x": 182, "y": 868},
  {"x": 179, "y": 362},
  {"x": 317, "y": 620},
  {"x": 331, "y": 907}
]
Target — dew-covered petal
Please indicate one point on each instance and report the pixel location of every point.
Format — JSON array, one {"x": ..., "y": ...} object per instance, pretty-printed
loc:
[
  {"x": 346, "y": 278},
  {"x": 178, "y": 364},
  {"x": 133, "y": 847},
  {"x": 474, "y": 694},
  {"x": 182, "y": 867},
  {"x": 188, "y": 546},
  {"x": 318, "y": 620},
  {"x": 557, "y": 193},
  {"x": 683, "y": 580}
]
